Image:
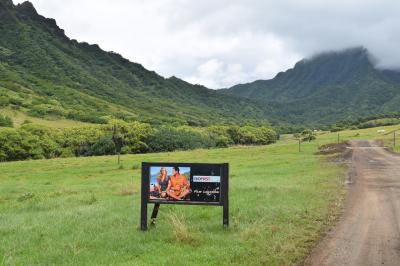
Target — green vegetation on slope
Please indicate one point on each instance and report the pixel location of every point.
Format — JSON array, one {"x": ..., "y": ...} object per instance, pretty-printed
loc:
[
  {"x": 377, "y": 120},
  {"x": 45, "y": 74},
  {"x": 6, "y": 121},
  {"x": 20, "y": 118},
  {"x": 327, "y": 88}
]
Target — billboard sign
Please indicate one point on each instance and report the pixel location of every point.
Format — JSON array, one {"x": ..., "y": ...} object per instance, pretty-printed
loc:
[{"x": 183, "y": 183}]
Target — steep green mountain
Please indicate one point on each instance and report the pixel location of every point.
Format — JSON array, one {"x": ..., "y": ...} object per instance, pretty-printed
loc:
[
  {"x": 327, "y": 88},
  {"x": 43, "y": 73}
]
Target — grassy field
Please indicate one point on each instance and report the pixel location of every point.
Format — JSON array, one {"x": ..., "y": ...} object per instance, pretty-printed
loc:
[
  {"x": 86, "y": 210},
  {"x": 384, "y": 134}
]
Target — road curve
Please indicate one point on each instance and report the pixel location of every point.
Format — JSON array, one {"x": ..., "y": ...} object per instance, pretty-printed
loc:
[{"x": 368, "y": 233}]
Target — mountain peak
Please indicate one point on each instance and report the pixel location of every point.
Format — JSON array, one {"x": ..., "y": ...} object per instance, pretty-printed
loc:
[
  {"x": 341, "y": 84},
  {"x": 357, "y": 54},
  {"x": 351, "y": 51},
  {"x": 27, "y": 8},
  {"x": 329, "y": 68}
]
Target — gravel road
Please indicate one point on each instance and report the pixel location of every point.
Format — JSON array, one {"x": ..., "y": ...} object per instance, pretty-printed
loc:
[{"x": 368, "y": 233}]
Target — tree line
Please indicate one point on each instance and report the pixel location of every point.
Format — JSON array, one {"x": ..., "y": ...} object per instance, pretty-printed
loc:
[{"x": 37, "y": 142}]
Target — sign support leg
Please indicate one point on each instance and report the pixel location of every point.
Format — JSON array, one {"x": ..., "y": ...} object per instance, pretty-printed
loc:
[
  {"x": 143, "y": 216},
  {"x": 225, "y": 216},
  {"x": 144, "y": 198},
  {"x": 225, "y": 200},
  {"x": 154, "y": 213}
]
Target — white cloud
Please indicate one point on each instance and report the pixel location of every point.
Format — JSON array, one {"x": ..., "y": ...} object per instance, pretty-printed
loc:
[
  {"x": 214, "y": 72},
  {"x": 221, "y": 43}
]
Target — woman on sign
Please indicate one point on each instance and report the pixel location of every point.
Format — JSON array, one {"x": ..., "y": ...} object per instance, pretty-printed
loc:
[
  {"x": 162, "y": 182},
  {"x": 178, "y": 187}
]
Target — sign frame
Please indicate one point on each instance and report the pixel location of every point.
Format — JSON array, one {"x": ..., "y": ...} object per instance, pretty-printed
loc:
[{"x": 145, "y": 191}]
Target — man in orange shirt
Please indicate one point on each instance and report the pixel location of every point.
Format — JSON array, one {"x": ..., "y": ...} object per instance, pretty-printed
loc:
[{"x": 178, "y": 187}]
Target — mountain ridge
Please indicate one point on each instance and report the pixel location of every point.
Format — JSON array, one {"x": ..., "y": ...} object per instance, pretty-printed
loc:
[
  {"x": 331, "y": 84},
  {"x": 44, "y": 73}
]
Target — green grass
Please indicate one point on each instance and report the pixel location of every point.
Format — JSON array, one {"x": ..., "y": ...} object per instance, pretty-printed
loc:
[{"x": 86, "y": 210}]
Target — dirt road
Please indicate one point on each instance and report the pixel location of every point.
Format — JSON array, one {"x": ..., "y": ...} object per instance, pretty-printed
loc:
[{"x": 368, "y": 232}]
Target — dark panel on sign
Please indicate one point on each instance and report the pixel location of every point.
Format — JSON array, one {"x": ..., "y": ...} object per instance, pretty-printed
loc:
[{"x": 205, "y": 183}]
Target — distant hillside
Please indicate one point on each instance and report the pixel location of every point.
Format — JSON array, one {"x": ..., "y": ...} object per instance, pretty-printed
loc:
[
  {"x": 45, "y": 74},
  {"x": 327, "y": 88}
]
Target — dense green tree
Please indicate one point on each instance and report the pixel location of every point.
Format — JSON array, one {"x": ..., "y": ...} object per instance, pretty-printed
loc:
[
  {"x": 102, "y": 146},
  {"x": 168, "y": 138}
]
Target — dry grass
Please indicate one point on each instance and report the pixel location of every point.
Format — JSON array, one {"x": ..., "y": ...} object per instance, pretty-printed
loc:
[
  {"x": 180, "y": 230},
  {"x": 128, "y": 190},
  {"x": 253, "y": 230}
]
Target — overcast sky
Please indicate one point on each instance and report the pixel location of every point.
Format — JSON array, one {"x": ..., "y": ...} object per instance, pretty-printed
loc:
[{"x": 219, "y": 43}]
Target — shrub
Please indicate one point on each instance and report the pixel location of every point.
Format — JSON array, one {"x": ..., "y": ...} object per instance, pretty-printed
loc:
[
  {"x": 222, "y": 142},
  {"x": 47, "y": 140},
  {"x": 37, "y": 142},
  {"x": 170, "y": 139},
  {"x": 102, "y": 146},
  {"x": 221, "y": 136},
  {"x": 19, "y": 145},
  {"x": 126, "y": 150},
  {"x": 254, "y": 135},
  {"x": 87, "y": 117},
  {"x": 308, "y": 135},
  {"x": 67, "y": 152},
  {"x": 5, "y": 121},
  {"x": 43, "y": 110},
  {"x": 4, "y": 101}
]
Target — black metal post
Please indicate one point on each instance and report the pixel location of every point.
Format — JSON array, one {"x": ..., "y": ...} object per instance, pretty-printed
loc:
[
  {"x": 144, "y": 198},
  {"x": 338, "y": 138},
  {"x": 225, "y": 197},
  {"x": 394, "y": 138},
  {"x": 154, "y": 213}
]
